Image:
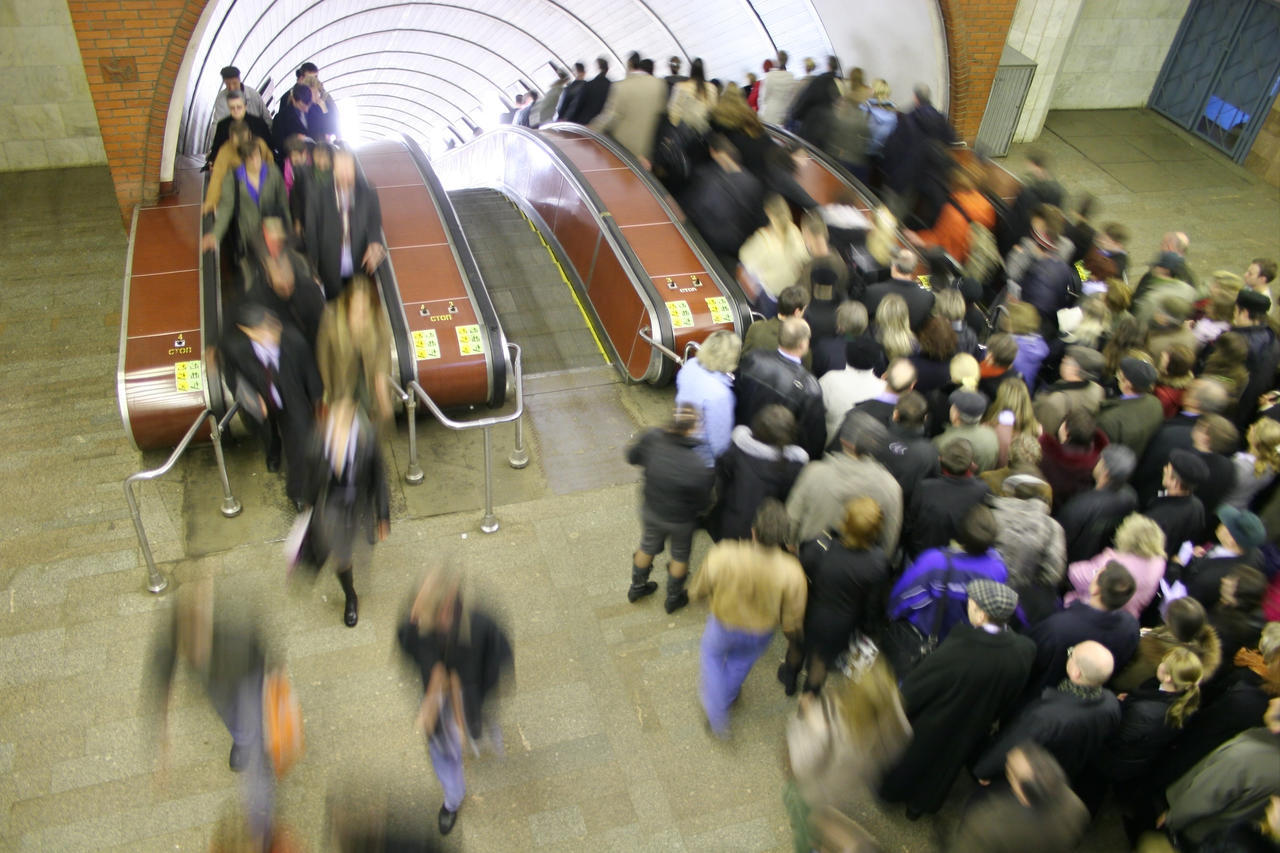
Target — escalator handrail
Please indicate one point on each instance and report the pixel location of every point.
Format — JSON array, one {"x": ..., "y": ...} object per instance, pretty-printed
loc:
[
  {"x": 498, "y": 366},
  {"x": 211, "y": 313},
  {"x": 640, "y": 280},
  {"x": 728, "y": 284},
  {"x": 121, "y": 396}
]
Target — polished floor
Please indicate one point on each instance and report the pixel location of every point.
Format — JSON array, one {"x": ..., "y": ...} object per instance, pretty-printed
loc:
[{"x": 604, "y": 737}]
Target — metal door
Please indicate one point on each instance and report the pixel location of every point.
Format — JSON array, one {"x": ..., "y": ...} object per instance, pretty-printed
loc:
[{"x": 1221, "y": 74}]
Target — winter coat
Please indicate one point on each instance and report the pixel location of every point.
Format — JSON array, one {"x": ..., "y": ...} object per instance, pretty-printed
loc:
[
  {"x": 1090, "y": 519},
  {"x": 1155, "y": 644},
  {"x": 746, "y": 474},
  {"x": 1262, "y": 361},
  {"x": 770, "y": 377},
  {"x": 1203, "y": 575},
  {"x": 345, "y": 507},
  {"x": 817, "y": 500},
  {"x": 1237, "y": 708},
  {"x": 1054, "y": 637},
  {"x": 711, "y": 393},
  {"x": 1030, "y": 542},
  {"x": 842, "y": 390},
  {"x": 1174, "y": 434},
  {"x": 846, "y": 588},
  {"x": 1234, "y": 782},
  {"x": 995, "y": 480},
  {"x": 1131, "y": 421},
  {"x": 1070, "y": 727},
  {"x": 1032, "y": 351},
  {"x": 952, "y": 699},
  {"x": 725, "y": 207},
  {"x": 938, "y": 505},
  {"x": 677, "y": 483},
  {"x": 1181, "y": 517},
  {"x": 910, "y": 458},
  {"x": 1142, "y": 736},
  {"x": 999, "y": 823},
  {"x": 983, "y": 440},
  {"x": 1068, "y": 468},
  {"x": 1146, "y": 571},
  {"x": 924, "y": 587},
  {"x": 1047, "y": 287}
]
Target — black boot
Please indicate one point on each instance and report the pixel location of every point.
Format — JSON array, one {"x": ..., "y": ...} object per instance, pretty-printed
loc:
[
  {"x": 350, "y": 613},
  {"x": 640, "y": 584},
  {"x": 789, "y": 676},
  {"x": 676, "y": 595}
]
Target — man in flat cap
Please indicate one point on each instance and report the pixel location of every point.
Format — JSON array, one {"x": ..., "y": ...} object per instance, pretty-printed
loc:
[
  {"x": 955, "y": 695},
  {"x": 967, "y": 409},
  {"x": 1134, "y": 417},
  {"x": 253, "y": 104},
  {"x": 1176, "y": 509},
  {"x": 1250, "y": 322},
  {"x": 1077, "y": 387}
]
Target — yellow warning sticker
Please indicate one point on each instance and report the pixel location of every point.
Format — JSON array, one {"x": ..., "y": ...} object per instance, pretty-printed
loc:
[
  {"x": 188, "y": 376},
  {"x": 681, "y": 316},
  {"x": 924, "y": 282},
  {"x": 719, "y": 308},
  {"x": 426, "y": 344},
  {"x": 1084, "y": 274},
  {"x": 469, "y": 340}
]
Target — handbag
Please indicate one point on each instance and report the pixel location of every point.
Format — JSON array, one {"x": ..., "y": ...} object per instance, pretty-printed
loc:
[
  {"x": 904, "y": 645},
  {"x": 281, "y": 722}
]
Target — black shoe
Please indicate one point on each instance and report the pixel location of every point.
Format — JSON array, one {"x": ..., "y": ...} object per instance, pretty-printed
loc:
[
  {"x": 788, "y": 675},
  {"x": 447, "y": 820},
  {"x": 675, "y": 602},
  {"x": 237, "y": 760},
  {"x": 273, "y": 463},
  {"x": 635, "y": 593},
  {"x": 352, "y": 613}
]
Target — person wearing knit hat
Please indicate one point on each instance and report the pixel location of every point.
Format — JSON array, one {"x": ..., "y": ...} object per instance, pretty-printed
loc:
[
  {"x": 1240, "y": 534},
  {"x": 1177, "y": 510},
  {"x": 1133, "y": 418},
  {"x": 997, "y": 601}
]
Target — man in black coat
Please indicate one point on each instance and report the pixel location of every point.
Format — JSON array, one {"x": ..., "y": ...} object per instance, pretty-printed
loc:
[
  {"x": 273, "y": 375},
  {"x": 280, "y": 279},
  {"x": 810, "y": 110},
  {"x": 1177, "y": 510},
  {"x": 1203, "y": 396},
  {"x": 344, "y": 227},
  {"x": 1072, "y": 720},
  {"x": 910, "y": 457},
  {"x": 780, "y": 377},
  {"x": 904, "y": 283},
  {"x": 907, "y": 147},
  {"x": 591, "y": 96},
  {"x": 954, "y": 696},
  {"x": 1090, "y": 518},
  {"x": 256, "y": 124},
  {"x": 569, "y": 96},
  {"x": 725, "y": 202},
  {"x": 297, "y": 115},
  {"x": 1100, "y": 619},
  {"x": 939, "y": 503},
  {"x": 1250, "y": 322}
]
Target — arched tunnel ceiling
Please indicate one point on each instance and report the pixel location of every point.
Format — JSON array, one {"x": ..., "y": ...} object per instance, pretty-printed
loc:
[{"x": 422, "y": 66}]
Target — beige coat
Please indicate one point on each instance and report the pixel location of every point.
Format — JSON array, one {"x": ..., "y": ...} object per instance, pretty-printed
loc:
[
  {"x": 340, "y": 358},
  {"x": 632, "y": 111}
]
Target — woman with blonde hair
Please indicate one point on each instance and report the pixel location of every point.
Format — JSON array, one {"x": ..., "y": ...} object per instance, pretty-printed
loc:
[
  {"x": 692, "y": 100},
  {"x": 705, "y": 383},
  {"x": 1011, "y": 414},
  {"x": 893, "y": 328},
  {"x": 774, "y": 255},
  {"x": 1257, "y": 465},
  {"x": 353, "y": 350},
  {"x": 949, "y": 304},
  {"x": 965, "y": 373},
  {"x": 1186, "y": 626},
  {"x": 1140, "y": 548}
]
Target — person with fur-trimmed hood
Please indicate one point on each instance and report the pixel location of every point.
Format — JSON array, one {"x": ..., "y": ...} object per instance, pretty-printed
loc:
[{"x": 762, "y": 462}]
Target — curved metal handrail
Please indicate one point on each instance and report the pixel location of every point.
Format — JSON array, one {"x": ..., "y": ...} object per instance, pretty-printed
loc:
[
  {"x": 662, "y": 348},
  {"x": 156, "y": 582},
  {"x": 519, "y": 455}
]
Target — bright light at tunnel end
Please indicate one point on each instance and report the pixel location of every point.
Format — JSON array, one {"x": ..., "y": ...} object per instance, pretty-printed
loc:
[{"x": 349, "y": 124}]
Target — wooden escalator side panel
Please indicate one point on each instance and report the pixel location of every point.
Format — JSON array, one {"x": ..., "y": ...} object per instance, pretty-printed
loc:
[{"x": 160, "y": 375}]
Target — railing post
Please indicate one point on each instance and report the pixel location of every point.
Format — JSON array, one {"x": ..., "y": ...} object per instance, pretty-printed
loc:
[
  {"x": 490, "y": 522},
  {"x": 156, "y": 582},
  {"x": 519, "y": 457},
  {"x": 413, "y": 475},
  {"x": 230, "y": 506}
]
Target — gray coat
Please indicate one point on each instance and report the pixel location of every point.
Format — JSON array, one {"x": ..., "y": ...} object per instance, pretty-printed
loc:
[
  {"x": 817, "y": 499},
  {"x": 1032, "y": 544}
]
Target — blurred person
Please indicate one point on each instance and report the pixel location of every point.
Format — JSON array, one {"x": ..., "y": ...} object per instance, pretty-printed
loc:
[
  {"x": 237, "y": 111},
  {"x": 724, "y": 202},
  {"x": 1160, "y": 282},
  {"x": 591, "y": 97},
  {"x": 906, "y": 164},
  {"x": 272, "y": 374},
  {"x": 1256, "y": 465},
  {"x": 308, "y": 74},
  {"x": 692, "y": 98},
  {"x": 893, "y": 330},
  {"x": 1186, "y": 626},
  {"x": 350, "y": 501},
  {"x": 903, "y": 282},
  {"x": 831, "y": 354},
  {"x": 522, "y": 115},
  {"x": 1235, "y": 782},
  {"x": 965, "y": 418},
  {"x": 572, "y": 92},
  {"x": 1168, "y": 328},
  {"x": 937, "y": 346},
  {"x": 298, "y": 114},
  {"x": 763, "y": 334},
  {"x": 899, "y": 378},
  {"x": 1176, "y": 373},
  {"x": 344, "y": 227},
  {"x": 776, "y": 89},
  {"x": 1134, "y": 417},
  {"x": 780, "y": 377},
  {"x": 1250, "y": 322},
  {"x": 817, "y": 242},
  {"x": 997, "y": 365},
  {"x": 705, "y": 383},
  {"x": 847, "y": 576},
  {"x": 1045, "y": 280},
  {"x": 761, "y": 462},
  {"x": 926, "y": 593},
  {"x": 226, "y": 159},
  {"x": 250, "y": 191},
  {"x": 956, "y": 694},
  {"x": 753, "y": 588},
  {"x": 1260, "y": 275},
  {"x": 299, "y": 179},
  {"x": 1203, "y": 396},
  {"x": 1108, "y": 258},
  {"x": 227, "y": 655},
  {"x": 1214, "y": 313},
  {"x": 1100, "y": 618},
  {"x": 1248, "y": 835},
  {"x": 774, "y": 255},
  {"x": 1024, "y": 461},
  {"x": 1022, "y": 322},
  {"x": 909, "y": 456},
  {"x": 1039, "y": 811},
  {"x": 281, "y": 280},
  {"x": 953, "y": 232},
  {"x": 673, "y": 64},
  {"x": 631, "y": 112},
  {"x": 1225, "y": 362},
  {"x": 677, "y": 489},
  {"x": 1010, "y": 415},
  {"x": 811, "y": 108},
  {"x": 1237, "y": 617},
  {"x": 462, "y": 655},
  {"x": 1070, "y": 456},
  {"x": 1140, "y": 548},
  {"x": 734, "y": 118},
  {"x": 939, "y": 504},
  {"x": 231, "y": 86},
  {"x": 1031, "y": 543},
  {"x": 1176, "y": 509},
  {"x": 1125, "y": 340},
  {"x": 544, "y": 110},
  {"x": 1072, "y": 721},
  {"x": 1240, "y": 535},
  {"x": 965, "y": 374},
  {"x": 818, "y": 498},
  {"x": 949, "y": 303},
  {"x": 849, "y": 140},
  {"x": 353, "y": 350},
  {"x": 1039, "y": 188}
]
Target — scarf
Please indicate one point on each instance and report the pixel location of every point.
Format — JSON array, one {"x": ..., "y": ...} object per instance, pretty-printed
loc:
[
  {"x": 986, "y": 370},
  {"x": 1080, "y": 691},
  {"x": 1251, "y": 659}
]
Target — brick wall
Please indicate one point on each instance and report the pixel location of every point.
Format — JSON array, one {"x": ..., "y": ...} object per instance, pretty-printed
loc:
[
  {"x": 976, "y": 32},
  {"x": 1264, "y": 157},
  {"x": 131, "y": 51}
]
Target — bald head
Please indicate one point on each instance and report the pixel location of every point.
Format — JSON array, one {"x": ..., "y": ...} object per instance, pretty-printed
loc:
[
  {"x": 901, "y": 376},
  {"x": 793, "y": 336},
  {"x": 344, "y": 169},
  {"x": 1176, "y": 241},
  {"x": 1090, "y": 664}
]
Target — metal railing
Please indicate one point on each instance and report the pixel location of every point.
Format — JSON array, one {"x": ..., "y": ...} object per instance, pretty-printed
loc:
[
  {"x": 156, "y": 582},
  {"x": 647, "y": 337},
  {"x": 519, "y": 456}
]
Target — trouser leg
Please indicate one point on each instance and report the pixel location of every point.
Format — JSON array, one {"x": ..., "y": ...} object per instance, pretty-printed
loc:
[
  {"x": 243, "y": 718},
  {"x": 445, "y": 749}
]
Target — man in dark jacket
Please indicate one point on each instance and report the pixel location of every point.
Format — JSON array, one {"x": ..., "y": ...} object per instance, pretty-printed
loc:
[
  {"x": 1203, "y": 396},
  {"x": 281, "y": 280},
  {"x": 1090, "y": 519},
  {"x": 1134, "y": 417},
  {"x": 257, "y": 125},
  {"x": 1101, "y": 619},
  {"x": 1177, "y": 510},
  {"x": 725, "y": 202},
  {"x": 810, "y": 111},
  {"x": 344, "y": 227},
  {"x": 572, "y": 91},
  {"x": 904, "y": 283},
  {"x": 590, "y": 97},
  {"x": 1264, "y": 352},
  {"x": 780, "y": 377},
  {"x": 907, "y": 148},
  {"x": 1072, "y": 720},
  {"x": 939, "y": 504},
  {"x": 297, "y": 115},
  {"x": 910, "y": 457},
  {"x": 954, "y": 696},
  {"x": 677, "y": 489}
]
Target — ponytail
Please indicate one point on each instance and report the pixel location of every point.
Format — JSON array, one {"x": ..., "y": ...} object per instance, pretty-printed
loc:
[
  {"x": 1183, "y": 668},
  {"x": 1183, "y": 707}
]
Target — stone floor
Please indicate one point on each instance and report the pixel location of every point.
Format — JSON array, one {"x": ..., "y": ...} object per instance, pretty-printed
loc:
[{"x": 605, "y": 744}]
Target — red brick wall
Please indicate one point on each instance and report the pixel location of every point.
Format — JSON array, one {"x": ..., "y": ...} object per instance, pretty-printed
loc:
[
  {"x": 131, "y": 51},
  {"x": 976, "y": 31}
]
